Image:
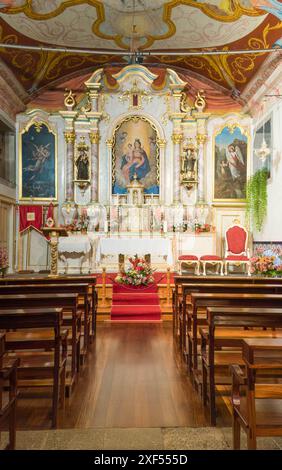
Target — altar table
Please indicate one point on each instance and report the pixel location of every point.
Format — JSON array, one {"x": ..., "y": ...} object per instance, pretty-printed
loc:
[
  {"x": 75, "y": 249},
  {"x": 131, "y": 246}
]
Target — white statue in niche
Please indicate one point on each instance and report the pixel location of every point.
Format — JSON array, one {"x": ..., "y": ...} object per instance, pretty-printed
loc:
[
  {"x": 93, "y": 212},
  {"x": 69, "y": 212}
]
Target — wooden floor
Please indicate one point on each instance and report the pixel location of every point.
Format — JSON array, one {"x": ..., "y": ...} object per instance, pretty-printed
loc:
[{"x": 132, "y": 378}]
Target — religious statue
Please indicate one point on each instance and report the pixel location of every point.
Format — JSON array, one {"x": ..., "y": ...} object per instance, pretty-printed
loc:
[
  {"x": 189, "y": 164},
  {"x": 69, "y": 212},
  {"x": 82, "y": 161}
]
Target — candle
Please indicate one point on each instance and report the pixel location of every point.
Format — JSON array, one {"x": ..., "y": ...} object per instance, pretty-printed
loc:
[
  {"x": 106, "y": 226},
  {"x": 165, "y": 226}
]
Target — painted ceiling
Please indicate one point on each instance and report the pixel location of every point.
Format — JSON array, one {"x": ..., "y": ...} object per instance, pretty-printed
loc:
[{"x": 160, "y": 26}]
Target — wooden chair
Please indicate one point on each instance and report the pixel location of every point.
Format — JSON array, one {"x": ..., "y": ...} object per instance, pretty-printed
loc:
[
  {"x": 236, "y": 251},
  {"x": 189, "y": 260},
  {"x": 8, "y": 374},
  {"x": 221, "y": 344},
  {"x": 42, "y": 350},
  {"x": 212, "y": 260},
  {"x": 258, "y": 410}
]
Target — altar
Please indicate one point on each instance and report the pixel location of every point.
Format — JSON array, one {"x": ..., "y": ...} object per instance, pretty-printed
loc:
[{"x": 160, "y": 248}]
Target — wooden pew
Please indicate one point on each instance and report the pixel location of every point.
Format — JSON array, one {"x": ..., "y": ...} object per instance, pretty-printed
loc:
[
  {"x": 243, "y": 288},
  {"x": 67, "y": 302},
  {"x": 204, "y": 300},
  {"x": 79, "y": 288},
  {"x": 39, "y": 366},
  {"x": 259, "y": 410},
  {"x": 60, "y": 280},
  {"x": 226, "y": 329},
  {"x": 8, "y": 373},
  {"x": 179, "y": 280}
]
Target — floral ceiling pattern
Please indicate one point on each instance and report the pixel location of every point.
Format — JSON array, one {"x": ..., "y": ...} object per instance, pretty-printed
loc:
[{"x": 160, "y": 26}]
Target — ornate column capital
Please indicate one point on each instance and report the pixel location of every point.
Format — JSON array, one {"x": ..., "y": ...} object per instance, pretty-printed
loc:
[
  {"x": 69, "y": 137},
  {"x": 109, "y": 143},
  {"x": 201, "y": 138},
  {"x": 177, "y": 138},
  {"x": 94, "y": 137},
  {"x": 161, "y": 143}
]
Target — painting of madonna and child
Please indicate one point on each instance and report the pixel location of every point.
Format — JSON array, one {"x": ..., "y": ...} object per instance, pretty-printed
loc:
[
  {"x": 230, "y": 165},
  {"x": 135, "y": 151}
]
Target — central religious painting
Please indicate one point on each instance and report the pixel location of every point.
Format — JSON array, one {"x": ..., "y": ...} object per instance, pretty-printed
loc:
[{"x": 135, "y": 152}]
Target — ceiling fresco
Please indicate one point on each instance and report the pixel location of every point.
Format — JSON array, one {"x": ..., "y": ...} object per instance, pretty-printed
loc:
[{"x": 158, "y": 26}]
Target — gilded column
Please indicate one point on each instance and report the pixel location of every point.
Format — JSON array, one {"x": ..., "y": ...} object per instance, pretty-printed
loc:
[
  {"x": 109, "y": 143},
  {"x": 69, "y": 138},
  {"x": 176, "y": 139},
  {"x": 94, "y": 139},
  {"x": 201, "y": 138}
]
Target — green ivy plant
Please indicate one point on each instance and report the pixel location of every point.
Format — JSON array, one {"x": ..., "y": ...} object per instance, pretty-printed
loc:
[{"x": 256, "y": 193}]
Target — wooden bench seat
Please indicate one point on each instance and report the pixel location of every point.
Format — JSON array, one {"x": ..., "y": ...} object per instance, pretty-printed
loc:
[
  {"x": 224, "y": 337},
  {"x": 240, "y": 300},
  {"x": 8, "y": 400},
  {"x": 220, "y": 287},
  {"x": 259, "y": 409},
  {"x": 179, "y": 280},
  {"x": 35, "y": 362},
  {"x": 59, "y": 281},
  {"x": 68, "y": 302}
]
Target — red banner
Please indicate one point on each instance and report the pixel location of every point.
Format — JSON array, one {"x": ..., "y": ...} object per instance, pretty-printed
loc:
[{"x": 31, "y": 216}]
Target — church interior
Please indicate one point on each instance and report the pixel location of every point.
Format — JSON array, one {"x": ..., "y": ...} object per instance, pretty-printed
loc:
[{"x": 140, "y": 225}]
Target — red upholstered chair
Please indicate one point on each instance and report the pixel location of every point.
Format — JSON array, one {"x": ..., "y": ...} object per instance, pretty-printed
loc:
[
  {"x": 214, "y": 260},
  {"x": 190, "y": 260},
  {"x": 236, "y": 251}
]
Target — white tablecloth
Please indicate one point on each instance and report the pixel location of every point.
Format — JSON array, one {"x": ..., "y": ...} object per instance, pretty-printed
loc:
[
  {"x": 74, "y": 244},
  {"x": 132, "y": 246}
]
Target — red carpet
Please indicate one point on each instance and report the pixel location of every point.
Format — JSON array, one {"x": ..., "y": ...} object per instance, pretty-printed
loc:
[{"x": 135, "y": 303}]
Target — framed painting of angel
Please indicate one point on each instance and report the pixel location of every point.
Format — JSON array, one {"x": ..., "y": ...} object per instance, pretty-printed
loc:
[
  {"x": 38, "y": 163},
  {"x": 230, "y": 164}
]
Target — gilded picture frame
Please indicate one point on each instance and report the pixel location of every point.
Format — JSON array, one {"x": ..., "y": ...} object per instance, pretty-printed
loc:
[
  {"x": 231, "y": 157},
  {"x": 135, "y": 149},
  {"x": 38, "y": 162}
]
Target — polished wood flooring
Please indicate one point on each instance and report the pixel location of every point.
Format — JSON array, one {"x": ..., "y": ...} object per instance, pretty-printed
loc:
[{"x": 132, "y": 378}]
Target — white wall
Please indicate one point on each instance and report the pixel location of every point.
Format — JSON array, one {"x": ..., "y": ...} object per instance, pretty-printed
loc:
[{"x": 272, "y": 228}]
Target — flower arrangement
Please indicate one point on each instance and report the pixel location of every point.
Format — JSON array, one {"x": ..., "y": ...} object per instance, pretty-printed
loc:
[
  {"x": 3, "y": 260},
  {"x": 139, "y": 273},
  {"x": 199, "y": 228},
  {"x": 78, "y": 225},
  {"x": 267, "y": 263}
]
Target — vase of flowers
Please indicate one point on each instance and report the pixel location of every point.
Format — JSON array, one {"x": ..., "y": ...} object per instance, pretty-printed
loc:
[
  {"x": 140, "y": 273},
  {"x": 3, "y": 261},
  {"x": 267, "y": 263}
]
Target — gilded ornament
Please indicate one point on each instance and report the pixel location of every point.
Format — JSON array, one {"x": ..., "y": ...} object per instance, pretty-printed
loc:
[
  {"x": 94, "y": 137},
  {"x": 88, "y": 107},
  {"x": 176, "y": 138},
  {"x": 109, "y": 142},
  {"x": 161, "y": 142},
  {"x": 184, "y": 107},
  {"x": 69, "y": 100},
  {"x": 69, "y": 137},
  {"x": 201, "y": 138},
  {"x": 200, "y": 102}
]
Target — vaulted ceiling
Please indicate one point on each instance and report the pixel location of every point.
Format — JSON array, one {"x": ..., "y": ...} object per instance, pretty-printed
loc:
[{"x": 156, "y": 26}]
